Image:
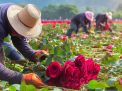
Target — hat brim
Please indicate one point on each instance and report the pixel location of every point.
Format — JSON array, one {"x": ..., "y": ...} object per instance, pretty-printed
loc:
[
  {"x": 19, "y": 27},
  {"x": 90, "y": 19}
]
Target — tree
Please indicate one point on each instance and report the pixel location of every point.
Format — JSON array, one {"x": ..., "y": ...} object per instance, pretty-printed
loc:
[
  {"x": 55, "y": 12},
  {"x": 119, "y": 8}
]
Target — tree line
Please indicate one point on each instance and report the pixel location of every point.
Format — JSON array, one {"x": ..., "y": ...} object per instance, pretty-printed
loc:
[{"x": 68, "y": 11}]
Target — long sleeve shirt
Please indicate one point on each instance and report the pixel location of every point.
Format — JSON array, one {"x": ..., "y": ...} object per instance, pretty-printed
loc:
[
  {"x": 81, "y": 20},
  {"x": 101, "y": 18},
  {"x": 19, "y": 42}
]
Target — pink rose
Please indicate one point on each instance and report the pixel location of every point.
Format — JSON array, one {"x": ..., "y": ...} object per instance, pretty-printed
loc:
[
  {"x": 63, "y": 38},
  {"x": 109, "y": 46},
  {"x": 120, "y": 56},
  {"x": 120, "y": 81},
  {"x": 54, "y": 70}
]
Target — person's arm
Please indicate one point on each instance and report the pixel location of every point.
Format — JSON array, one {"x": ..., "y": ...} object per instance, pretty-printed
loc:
[
  {"x": 11, "y": 76},
  {"x": 89, "y": 25},
  {"x": 22, "y": 46},
  {"x": 82, "y": 22},
  {"x": 7, "y": 74}
]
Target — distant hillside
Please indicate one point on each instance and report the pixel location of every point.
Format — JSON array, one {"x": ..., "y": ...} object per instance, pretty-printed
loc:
[{"x": 96, "y": 5}]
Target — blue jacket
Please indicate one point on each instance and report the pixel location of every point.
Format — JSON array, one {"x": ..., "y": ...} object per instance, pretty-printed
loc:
[{"x": 20, "y": 43}]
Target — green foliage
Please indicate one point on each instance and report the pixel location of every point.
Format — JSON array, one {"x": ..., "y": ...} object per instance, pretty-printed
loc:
[
  {"x": 12, "y": 88},
  {"x": 61, "y": 11},
  {"x": 91, "y": 47},
  {"x": 25, "y": 87},
  {"x": 117, "y": 14},
  {"x": 109, "y": 59},
  {"x": 94, "y": 84}
]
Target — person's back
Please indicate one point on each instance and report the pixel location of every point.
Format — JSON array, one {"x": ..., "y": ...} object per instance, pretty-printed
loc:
[
  {"x": 101, "y": 18},
  {"x": 12, "y": 23},
  {"x": 102, "y": 21},
  {"x": 81, "y": 20},
  {"x": 77, "y": 19}
]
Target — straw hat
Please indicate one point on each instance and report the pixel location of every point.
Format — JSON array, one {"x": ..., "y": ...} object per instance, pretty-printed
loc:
[
  {"x": 89, "y": 15},
  {"x": 109, "y": 15},
  {"x": 25, "y": 21}
]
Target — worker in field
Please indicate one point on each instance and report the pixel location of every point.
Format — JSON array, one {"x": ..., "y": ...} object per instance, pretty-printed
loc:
[
  {"x": 104, "y": 21},
  {"x": 83, "y": 20},
  {"x": 20, "y": 23}
]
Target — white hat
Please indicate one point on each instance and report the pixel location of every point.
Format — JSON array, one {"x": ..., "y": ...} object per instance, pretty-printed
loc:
[
  {"x": 25, "y": 21},
  {"x": 109, "y": 15},
  {"x": 89, "y": 15}
]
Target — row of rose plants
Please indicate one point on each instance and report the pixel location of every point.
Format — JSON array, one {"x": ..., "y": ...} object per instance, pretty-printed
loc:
[{"x": 104, "y": 49}]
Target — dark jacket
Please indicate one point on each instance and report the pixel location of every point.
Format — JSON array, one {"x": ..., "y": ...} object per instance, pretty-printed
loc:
[
  {"x": 81, "y": 20},
  {"x": 101, "y": 18},
  {"x": 20, "y": 43}
]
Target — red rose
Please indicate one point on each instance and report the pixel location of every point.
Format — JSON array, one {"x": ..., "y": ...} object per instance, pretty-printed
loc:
[
  {"x": 70, "y": 77},
  {"x": 69, "y": 63},
  {"x": 76, "y": 85},
  {"x": 79, "y": 60},
  {"x": 54, "y": 70},
  {"x": 73, "y": 85},
  {"x": 68, "y": 72},
  {"x": 93, "y": 69},
  {"x": 120, "y": 57},
  {"x": 107, "y": 26},
  {"x": 53, "y": 82},
  {"x": 83, "y": 69}
]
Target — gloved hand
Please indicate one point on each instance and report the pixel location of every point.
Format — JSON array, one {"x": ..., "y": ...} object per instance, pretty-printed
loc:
[
  {"x": 41, "y": 54},
  {"x": 33, "y": 79}
]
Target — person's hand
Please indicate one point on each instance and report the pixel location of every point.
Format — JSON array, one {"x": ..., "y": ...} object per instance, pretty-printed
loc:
[
  {"x": 32, "y": 78},
  {"x": 41, "y": 54}
]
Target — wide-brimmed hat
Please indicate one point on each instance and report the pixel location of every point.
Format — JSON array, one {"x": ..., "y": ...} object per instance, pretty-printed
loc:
[
  {"x": 89, "y": 15},
  {"x": 25, "y": 21},
  {"x": 109, "y": 15}
]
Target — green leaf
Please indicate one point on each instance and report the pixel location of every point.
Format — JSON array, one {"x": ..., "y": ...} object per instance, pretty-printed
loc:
[
  {"x": 49, "y": 59},
  {"x": 44, "y": 89},
  {"x": 12, "y": 88},
  {"x": 110, "y": 59},
  {"x": 51, "y": 49},
  {"x": 118, "y": 86},
  {"x": 17, "y": 86},
  {"x": 58, "y": 51},
  {"x": 93, "y": 84},
  {"x": 23, "y": 86},
  {"x": 67, "y": 46},
  {"x": 31, "y": 88}
]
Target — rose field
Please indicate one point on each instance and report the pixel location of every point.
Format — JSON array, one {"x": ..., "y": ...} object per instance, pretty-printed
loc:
[{"x": 80, "y": 63}]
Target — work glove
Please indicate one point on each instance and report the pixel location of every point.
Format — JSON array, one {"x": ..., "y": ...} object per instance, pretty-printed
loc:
[
  {"x": 41, "y": 54},
  {"x": 32, "y": 78}
]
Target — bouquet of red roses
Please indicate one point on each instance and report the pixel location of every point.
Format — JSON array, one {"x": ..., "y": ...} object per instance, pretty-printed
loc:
[{"x": 72, "y": 74}]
